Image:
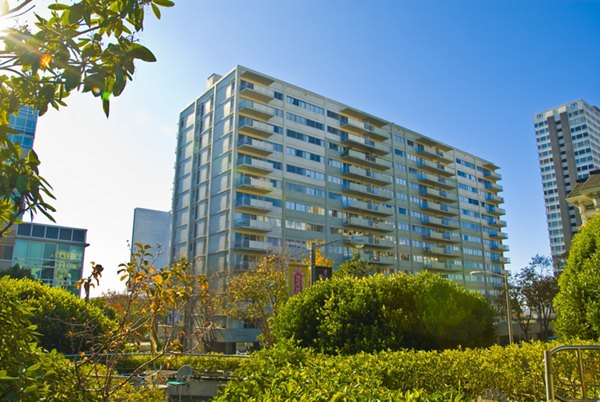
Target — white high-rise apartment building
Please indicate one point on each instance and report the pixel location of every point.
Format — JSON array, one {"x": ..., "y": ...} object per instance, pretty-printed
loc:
[
  {"x": 263, "y": 165},
  {"x": 568, "y": 143}
]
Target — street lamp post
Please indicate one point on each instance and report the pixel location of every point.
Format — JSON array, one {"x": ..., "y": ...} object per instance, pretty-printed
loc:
[{"x": 508, "y": 312}]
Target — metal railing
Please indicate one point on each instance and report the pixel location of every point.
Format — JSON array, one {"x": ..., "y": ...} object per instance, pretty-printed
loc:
[{"x": 582, "y": 385}]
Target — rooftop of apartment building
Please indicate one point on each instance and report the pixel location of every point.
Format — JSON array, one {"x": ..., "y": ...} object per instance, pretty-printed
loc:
[{"x": 266, "y": 80}]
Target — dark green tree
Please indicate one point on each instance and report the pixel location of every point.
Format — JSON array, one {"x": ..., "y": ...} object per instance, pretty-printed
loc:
[
  {"x": 16, "y": 272},
  {"x": 63, "y": 321},
  {"x": 532, "y": 291},
  {"x": 350, "y": 315},
  {"x": 355, "y": 267},
  {"x": 577, "y": 303},
  {"x": 27, "y": 372}
]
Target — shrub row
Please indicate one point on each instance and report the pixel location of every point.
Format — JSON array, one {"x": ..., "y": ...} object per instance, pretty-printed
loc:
[{"x": 515, "y": 373}]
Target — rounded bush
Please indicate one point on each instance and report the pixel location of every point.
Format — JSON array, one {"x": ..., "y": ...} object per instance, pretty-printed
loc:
[
  {"x": 64, "y": 322},
  {"x": 350, "y": 315}
]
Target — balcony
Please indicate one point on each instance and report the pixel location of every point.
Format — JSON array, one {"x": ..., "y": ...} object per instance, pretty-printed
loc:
[
  {"x": 362, "y": 116},
  {"x": 491, "y": 175},
  {"x": 494, "y": 199},
  {"x": 438, "y": 195},
  {"x": 261, "y": 79},
  {"x": 432, "y": 153},
  {"x": 253, "y": 225},
  {"x": 435, "y": 168},
  {"x": 252, "y": 245},
  {"x": 363, "y": 144},
  {"x": 370, "y": 225},
  {"x": 255, "y": 147},
  {"x": 497, "y": 222},
  {"x": 363, "y": 128},
  {"x": 255, "y": 128},
  {"x": 253, "y": 206},
  {"x": 441, "y": 251},
  {"x": 496, "y": 235},
  {"x": 440, "y": 237},
  {"x": 438, "y": 266},
  {"x": 366, "y": 175},
  {"x": 499, "y": 247},
  {"x": 254, "y": 185},
  {"x": 255, "y": 110},
  {"x": 378, "y": 259},
  {"x": 495, "y": 210},
  {"x": 363, "y": 191},
  {"x": 377, "y": 243},
  {"x": 248, "y": 164},
  {"x": 436, "y": 181},
  {"x": 440, "y": 209},
  {"x": 367, "y": 208},
  {"x": 493, "y": 187},
  {"x": 256, "y": 93},
  {"x": 362, "y": 159},
  {"x": 435, "y": 222}
]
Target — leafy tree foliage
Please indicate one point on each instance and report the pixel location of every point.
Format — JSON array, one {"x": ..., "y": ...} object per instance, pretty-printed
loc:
[
  {"x": 351, "y": 315},
  {"x": 578, "y": 300},
  {"x": 354, "y": 267},
  {"x": 65, "y": 322},
  {"x": 88, "y": 46},
  {"x": 532, "y": 292},
  {"x": 27, "y": 373},
  {"x": 255, "y": 295},
  {"x": 16, "y": 272}
]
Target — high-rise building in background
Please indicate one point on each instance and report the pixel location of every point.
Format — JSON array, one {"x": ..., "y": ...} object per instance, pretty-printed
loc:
[
  {"x": 53, "y": 254},
  {"x": 151, "y": 227},
  {"x": 24, "y": 123},
  {"x": 265, "y": 166},
  {"x": 568, "y": 143}
]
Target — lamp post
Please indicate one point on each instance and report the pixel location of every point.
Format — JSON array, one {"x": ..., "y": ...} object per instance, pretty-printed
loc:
[{"x": 504, "y": 277}]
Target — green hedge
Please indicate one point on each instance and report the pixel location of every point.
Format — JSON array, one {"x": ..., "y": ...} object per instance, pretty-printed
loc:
[
  {"x": 64, "y": 322},
  {"x": 516, "y": 373}
]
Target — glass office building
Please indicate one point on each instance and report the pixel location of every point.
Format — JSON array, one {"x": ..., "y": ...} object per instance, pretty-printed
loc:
[{"x": 54, "y": 254}]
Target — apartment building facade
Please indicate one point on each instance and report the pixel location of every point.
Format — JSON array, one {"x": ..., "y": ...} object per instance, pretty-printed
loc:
[
  {"x": 568, "y": 145},
  {"x": 264, "y": 166}
]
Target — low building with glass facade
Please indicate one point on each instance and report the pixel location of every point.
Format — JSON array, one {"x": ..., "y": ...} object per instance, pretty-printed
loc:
[{"x": 54, "y": 254}]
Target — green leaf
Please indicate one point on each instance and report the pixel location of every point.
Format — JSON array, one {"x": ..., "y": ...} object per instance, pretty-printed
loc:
[
  {"x": 156, "y": 10},
  {"x": 76, "y": 12},
  {"x": 164, "y": 3},
  {"x": 58, "y": 7},
  {"x": 106, "y": 106},
  {"x": 72, "y": 78},
  {"x": 141, "y": 52}
]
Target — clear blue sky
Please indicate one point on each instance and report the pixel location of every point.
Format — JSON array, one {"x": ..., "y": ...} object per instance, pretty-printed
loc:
[{"x": 468, "y": 73}]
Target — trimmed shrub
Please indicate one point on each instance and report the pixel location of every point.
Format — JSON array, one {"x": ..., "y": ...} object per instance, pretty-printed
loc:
[
  {"x": 514, "y": 373},
  {"x": 64, "y": 322},
  {"x": 350, "y": 315}
]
